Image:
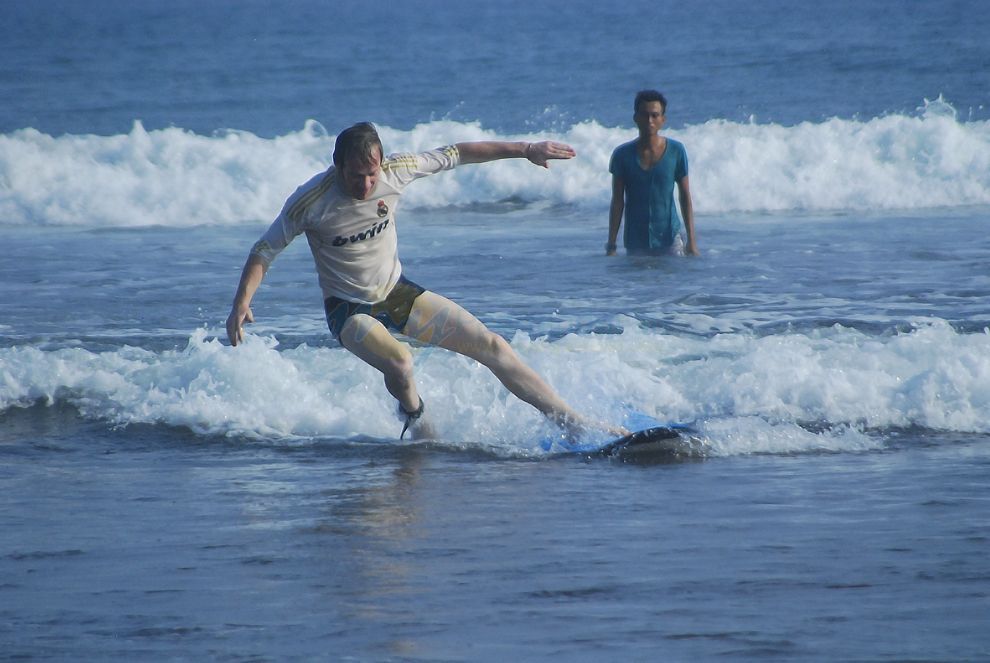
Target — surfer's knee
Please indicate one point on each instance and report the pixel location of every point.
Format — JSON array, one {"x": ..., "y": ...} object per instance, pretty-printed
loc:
[
  {"x": 368, "y": 339},
  {"x": 398, "y": 365},
  {"x": 494, "y": 350}
]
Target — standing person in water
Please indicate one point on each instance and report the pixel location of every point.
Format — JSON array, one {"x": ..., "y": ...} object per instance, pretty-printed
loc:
[
  {"x": 644, "y": 172},
  {"x": 348, "y": 215}
]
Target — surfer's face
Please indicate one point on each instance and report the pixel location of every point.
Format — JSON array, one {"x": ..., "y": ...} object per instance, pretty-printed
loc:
[{"x": 360, "y": 176}]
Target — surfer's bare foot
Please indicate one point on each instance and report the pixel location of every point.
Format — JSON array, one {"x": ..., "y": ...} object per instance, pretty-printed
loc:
[
  {"x": 416, "y": 425},
  {"x": 422, "y": 430}
]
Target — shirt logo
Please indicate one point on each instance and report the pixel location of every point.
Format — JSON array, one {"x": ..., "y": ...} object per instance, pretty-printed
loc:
[
  {"x": 341, "y": 240},
  {"x": 382, "y": 209}
]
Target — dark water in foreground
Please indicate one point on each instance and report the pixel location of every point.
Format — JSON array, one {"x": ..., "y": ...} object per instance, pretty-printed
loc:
[{"x": 153, "y": 543}]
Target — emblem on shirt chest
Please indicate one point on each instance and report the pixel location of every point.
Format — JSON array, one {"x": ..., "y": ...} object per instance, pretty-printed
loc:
[
  {"x": 342, "y": 240},
  {"x": 382, "y": 209}
]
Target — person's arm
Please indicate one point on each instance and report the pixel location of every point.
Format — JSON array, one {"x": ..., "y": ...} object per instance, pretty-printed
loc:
[
  {"x": 240, "y": 310},
  {"x": 615, "y": 210},
  {"x": 687, "y": 210},
  {"x": 538, "y": 153}
]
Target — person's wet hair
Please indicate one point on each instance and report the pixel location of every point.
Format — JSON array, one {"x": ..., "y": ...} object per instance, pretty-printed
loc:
[
  {"x": 357, "y": 142},
  {"x": 646, "y": 96}
]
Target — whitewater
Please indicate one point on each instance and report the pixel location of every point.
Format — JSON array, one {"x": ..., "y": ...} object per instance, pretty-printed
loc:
[
  {"x": 173, "y": 177},
  {"x": 931, "y": 377}
]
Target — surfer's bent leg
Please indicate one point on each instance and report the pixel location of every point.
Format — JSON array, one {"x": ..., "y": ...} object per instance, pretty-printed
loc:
[
  {"x": 437, "y": 320},
  {"x": 372, "y": 343},
  {"x": 362, "y": 329}
]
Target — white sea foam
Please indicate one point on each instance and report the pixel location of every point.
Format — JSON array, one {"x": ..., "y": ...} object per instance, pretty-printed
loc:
[
  {"x": 173, "y": 177},
  {"x": 745, "y": 393}
]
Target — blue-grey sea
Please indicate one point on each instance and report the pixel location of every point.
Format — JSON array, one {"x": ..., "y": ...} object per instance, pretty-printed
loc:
[{"x": 164, "y": 496}]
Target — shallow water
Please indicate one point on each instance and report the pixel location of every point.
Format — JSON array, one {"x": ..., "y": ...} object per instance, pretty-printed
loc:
[{"x": 153, "y": 542}]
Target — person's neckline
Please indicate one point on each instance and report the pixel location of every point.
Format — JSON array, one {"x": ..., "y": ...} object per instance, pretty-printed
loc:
[{"x": 663, "y": 153}]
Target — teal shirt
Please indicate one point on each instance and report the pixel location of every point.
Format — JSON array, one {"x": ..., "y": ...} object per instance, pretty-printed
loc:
[{"x": 651, "y": 218}]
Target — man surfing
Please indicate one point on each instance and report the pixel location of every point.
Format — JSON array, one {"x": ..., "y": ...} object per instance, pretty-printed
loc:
[{"x": 348, "y": 216}]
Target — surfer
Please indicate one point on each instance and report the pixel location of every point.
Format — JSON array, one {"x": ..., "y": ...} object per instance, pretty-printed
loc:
[
  {"x": 348, "y": 215},
  {"x": 644, "y": 172}
]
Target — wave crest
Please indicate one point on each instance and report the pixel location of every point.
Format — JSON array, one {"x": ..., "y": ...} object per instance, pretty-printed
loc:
[{"x": 173, "y": 177}]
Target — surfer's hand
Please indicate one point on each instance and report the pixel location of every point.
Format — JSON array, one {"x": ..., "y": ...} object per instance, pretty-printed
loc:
[
  {"x": 541, "y": 153},
  {"x": 235, "y": 323}
]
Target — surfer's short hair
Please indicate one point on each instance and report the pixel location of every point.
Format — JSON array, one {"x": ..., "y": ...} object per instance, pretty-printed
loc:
[
  {"x": 358, "y": 142},
  {"x": 646, "y": 96}
]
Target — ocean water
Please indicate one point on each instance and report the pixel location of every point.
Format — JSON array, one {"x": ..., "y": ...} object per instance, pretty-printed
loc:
[{"x": 167, "y": 497}]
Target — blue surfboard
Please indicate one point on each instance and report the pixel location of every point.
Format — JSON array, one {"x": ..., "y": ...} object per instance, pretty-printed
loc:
[{"x": 649, "y": 437}]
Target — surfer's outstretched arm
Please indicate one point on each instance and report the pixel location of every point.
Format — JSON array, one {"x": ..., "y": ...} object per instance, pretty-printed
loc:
[{"x": 538, "y": 153}]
